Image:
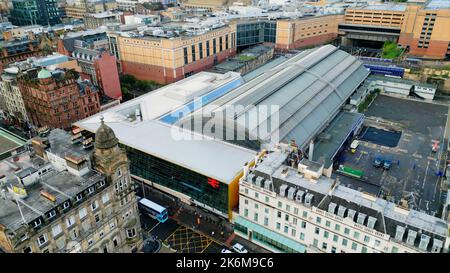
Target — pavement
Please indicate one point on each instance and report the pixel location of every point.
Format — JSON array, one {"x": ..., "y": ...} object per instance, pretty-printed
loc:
[
  {"x": 191, "y": 229},
  {"x": 414, "y": 174}
]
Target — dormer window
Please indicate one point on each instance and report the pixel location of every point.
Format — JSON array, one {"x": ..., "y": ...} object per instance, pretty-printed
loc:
[
  {"x": 119, "y": 173},
  {"x": 37, "y": 223},
  {"x": 51, "y": 214},
  {"x": 102, "y": 183},
  {"x": 78, "y": 197},
  {"x": 65, "y": 205},
  {"x": 91, "y": 190}
]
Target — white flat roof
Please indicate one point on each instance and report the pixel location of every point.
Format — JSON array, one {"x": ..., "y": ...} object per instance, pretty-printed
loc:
[{"x": 213, "y": 158}]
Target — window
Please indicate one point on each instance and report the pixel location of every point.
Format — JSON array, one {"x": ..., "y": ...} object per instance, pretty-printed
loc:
[
  {"x": 315, "y": 242},
  {"x": 333, "y": 249},
  {"x": 294, "y": 221},
  {"x": 267, "y": 199},
  {"x": 246, "y": 212},
  {"x": 324, "y": 246},
  {"x": 42, "y": 239},
  {"x": 317, "y": 230},
  {"x": 266, "y": 221},
  {"x": 82, "y": 213},
  {"x": 94, "y": 205},
  {"x": 326, "y": 234},
  {"x": 27, "y": 249},
  {"x": 131, "y": 233},
  {"x": 377, "y": 243},
  {"x": 366, "y": 239},
  {"x": 91, "y": 190},
  {"x": 280, "y": 205},
  {"x": 303, "y": 224},
  {"x": 246, "y": 191},
  {"x": 214, "y": 46},
  {"x": 66, "y": 205},
  {"x": 207, "y": 49},
  {"x": 354, "y": 246},
  {"x": 266, "y": 210},
  {"x": 296, "y": 211},
  {"x": 186, "y": 60},
  {"x": 286, "y": 229},
  {"x": 318, "y": 220},
  {"x": 302, "y": 236},
  {"x": 305, "y": 214},
  {"x": 112, "y": 225},
  {"x": 226, "y": 41},
  {"x": 364, "y": 249},
  {"x": 293, "y": 231},
  {"x": 101, "y": 234},
  {"x": 90, "y": 242},
  {"x": 246, "y": 201},
  {"x": 337, "y": 227},
  {"x": 255, "y": 217},
  {"x": 115, "y": 243},
  {"x": 97, "y": 218},
  {"x": 286, "y": 217},
  {"x": 256, "y": 195},
  {"x": 347, "y": 231},
  {"x": 394, "y": 249},
  {"x": 105, "y": 198},
  {"x": 51, "y": 214},
  {"x": 279, "y": 214},
  {"x": 344, "y": 242},
  {"x": 56, "y": 230},
  {"x": 78, "y": 197},
  {"x": 278, "y": 226},
  {"x": 200, "y": 50},
  {"x": 356, "y": 235},
  {"x": 70, "y": 221},
  {"x": 288, "y": 208},
  {"x": 327, "y": 223},
  {"x": 102, "y": 183},
  {"x": 335, "y": 238}
]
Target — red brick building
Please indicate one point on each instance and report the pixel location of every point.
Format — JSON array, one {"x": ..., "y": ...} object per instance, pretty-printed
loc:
[
  {"x": 56, "y": 99},
  {"x": 18, "y": 50}
]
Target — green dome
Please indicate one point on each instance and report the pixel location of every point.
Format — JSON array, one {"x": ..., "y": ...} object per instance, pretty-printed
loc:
[{"x": 44, "y": 74}]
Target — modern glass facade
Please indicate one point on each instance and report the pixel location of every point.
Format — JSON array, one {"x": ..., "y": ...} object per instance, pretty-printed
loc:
[
  {"x": 199, "y": 187},
  {"x": 251, "y": 33},
  {"x": 32, "y": 12}
]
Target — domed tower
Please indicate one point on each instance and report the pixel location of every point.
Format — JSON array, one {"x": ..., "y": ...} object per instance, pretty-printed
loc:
[{"x": 112, "y": 162}]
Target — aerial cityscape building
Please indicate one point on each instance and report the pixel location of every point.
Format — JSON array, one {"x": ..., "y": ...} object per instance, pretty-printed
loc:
[{"x": 216, "y": 126}]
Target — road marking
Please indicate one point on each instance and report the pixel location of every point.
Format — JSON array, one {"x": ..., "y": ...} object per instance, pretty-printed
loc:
[{"x": 425, "y": 176}]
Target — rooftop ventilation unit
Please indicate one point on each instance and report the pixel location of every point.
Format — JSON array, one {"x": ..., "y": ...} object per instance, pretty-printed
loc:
[
  {"x": 351, "y": 214},
  {"x": 424, "y": 241},
  {"x": 308, "y": 199},
  {"x": 371, "y": 222},
  {"x": 299, "y": 196},
  {"x": 361, "y": 218},
  {"x": 250, "y": 177},
  {"x": 259, "y": 181},
  {"x": 268, "y": 185},
  {"x": 341, "y": 211},
  {"x": 283, "y": 190},
  {"x": 399, "y": 233},
  {"x": 437, "y": 245},
  {"x": 332, "y": 208},
  {"x": 291, "y": 193},
  {"x": 411, "y": 237}
]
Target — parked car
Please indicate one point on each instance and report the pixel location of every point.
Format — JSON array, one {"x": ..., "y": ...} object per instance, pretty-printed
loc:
[
  {"x": 377, "y": 162},
  {"x": 239, "y": 248},
  {"x": 225, "y": 251},
  {"x": 387, "y": 164},
  {"x": 353, "y": 146}
]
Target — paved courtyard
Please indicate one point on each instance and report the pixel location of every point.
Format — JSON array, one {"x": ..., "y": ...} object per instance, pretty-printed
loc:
[{"x": 415, "y": 171}]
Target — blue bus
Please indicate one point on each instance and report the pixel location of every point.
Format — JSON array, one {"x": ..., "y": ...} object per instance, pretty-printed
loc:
[{"x": 154, "y": 210}]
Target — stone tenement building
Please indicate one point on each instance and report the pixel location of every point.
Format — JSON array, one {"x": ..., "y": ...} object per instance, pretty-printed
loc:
[
  {"x": 63, "y": 198},
  {"x": 57, "y": 99}
]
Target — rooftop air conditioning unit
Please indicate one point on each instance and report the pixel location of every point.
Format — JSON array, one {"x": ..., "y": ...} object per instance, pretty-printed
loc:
[
  {"x": 299, "y": 196},
  {"x": 371, "y": 222},
  {"x": 308, "y": 199},
  {"x": 351, "y": 214},
  {"x": 283, "y": 190},
  {"x": 399, "y": 233},
  {"x": 332, "y": 208},
  {"x": 291, "y": 193},
  {"x": 361, "y": 218}
]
